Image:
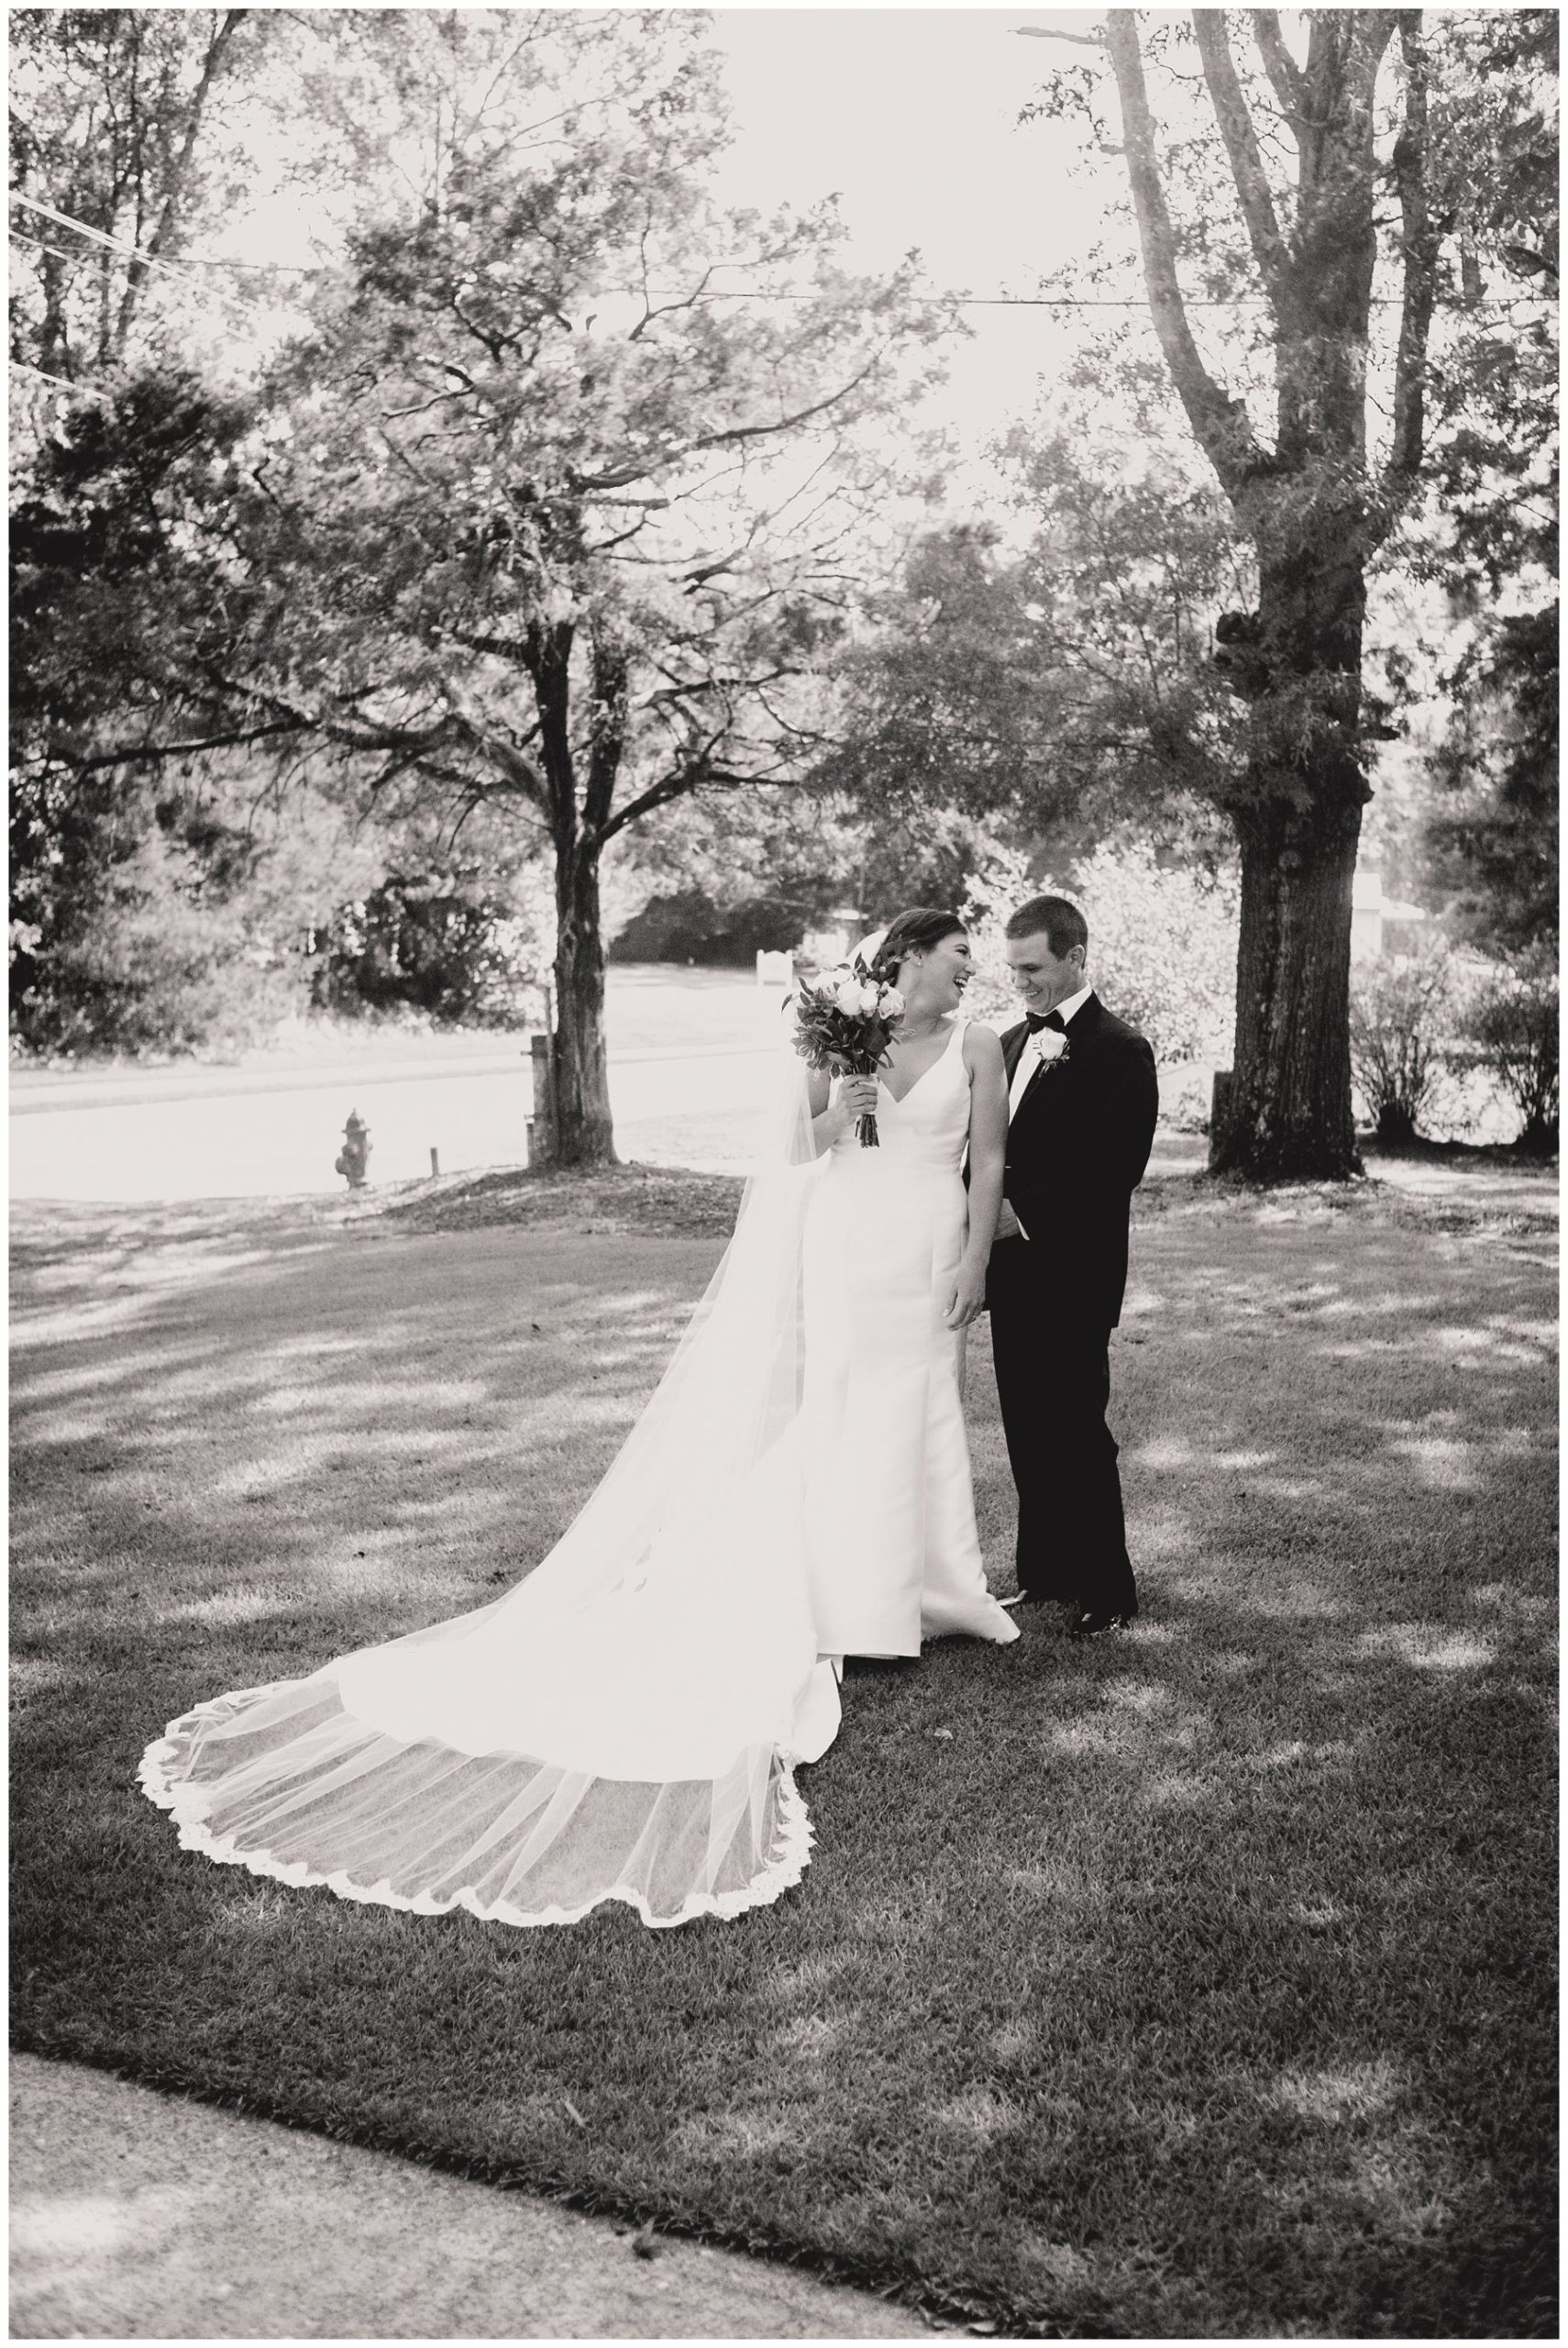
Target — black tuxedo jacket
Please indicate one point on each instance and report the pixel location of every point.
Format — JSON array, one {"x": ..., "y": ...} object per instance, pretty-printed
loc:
[{"x": 1076, "y": 1152}]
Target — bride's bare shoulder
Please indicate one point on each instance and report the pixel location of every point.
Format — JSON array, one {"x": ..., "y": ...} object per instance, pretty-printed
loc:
[{"x": 982, "y": 1047}]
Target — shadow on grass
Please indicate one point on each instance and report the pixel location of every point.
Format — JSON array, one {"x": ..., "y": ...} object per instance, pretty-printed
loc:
[{"x": 1195, "y": 1982}]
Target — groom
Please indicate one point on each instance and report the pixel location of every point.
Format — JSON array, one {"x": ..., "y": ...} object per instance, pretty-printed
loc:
[{"x": 1082, "y": 1103}]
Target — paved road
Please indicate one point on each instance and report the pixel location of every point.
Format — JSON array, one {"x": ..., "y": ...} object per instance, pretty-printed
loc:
[
  {"x": 691, "y": 1055},
  {"x": 139, "y": 2216}
]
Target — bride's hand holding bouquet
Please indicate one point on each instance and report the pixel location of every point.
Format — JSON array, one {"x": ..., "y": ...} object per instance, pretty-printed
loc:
[
  {"x": 854, "y": 1105},
  {"x": 844, "y": 1021}
]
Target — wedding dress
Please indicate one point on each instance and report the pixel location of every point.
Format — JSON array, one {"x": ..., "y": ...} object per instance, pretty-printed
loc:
[
  {"x": 890, "y": 1511},
  {"x": 625, "y": 1723}
]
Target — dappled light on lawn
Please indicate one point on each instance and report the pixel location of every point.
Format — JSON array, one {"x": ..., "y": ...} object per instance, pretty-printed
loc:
[
  {"x": 1287, "y": 1597},
  {"x": 63, "y": 2227},
  {"x": 1428, "y": 1650},
  {"x": 1159, "y": 1985}
]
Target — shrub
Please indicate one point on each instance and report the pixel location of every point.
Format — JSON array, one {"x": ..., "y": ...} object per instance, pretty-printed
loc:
[
  {"x": 436, "y": 944},
  {"x": 1000, "y": 882},
  {"x": 151, "y": 960},
  {"x": 1514, "y": 1022},
  {"x": 688, "y": 926},
  {"x": 1401, "y": 1018},
  {"x": 1162, "y": 942}
]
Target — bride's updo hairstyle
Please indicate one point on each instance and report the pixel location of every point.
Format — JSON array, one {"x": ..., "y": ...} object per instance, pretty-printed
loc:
[{"x": 916, "y": 931}]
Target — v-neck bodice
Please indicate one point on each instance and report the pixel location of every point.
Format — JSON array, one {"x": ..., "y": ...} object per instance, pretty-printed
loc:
[
  {"x": 930, "y": 1068},
  {"x": 929, "y": 1125}
]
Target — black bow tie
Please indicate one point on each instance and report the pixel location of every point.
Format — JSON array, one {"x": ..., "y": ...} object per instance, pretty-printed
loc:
[{"x": 1046, "y": 1019}]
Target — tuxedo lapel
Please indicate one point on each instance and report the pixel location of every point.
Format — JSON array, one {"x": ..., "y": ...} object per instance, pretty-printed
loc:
[{"x": 1013, "y": 1043}]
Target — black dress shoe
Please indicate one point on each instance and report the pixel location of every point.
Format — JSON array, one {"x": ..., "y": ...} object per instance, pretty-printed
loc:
[{"x": 1090, "y": 1624}]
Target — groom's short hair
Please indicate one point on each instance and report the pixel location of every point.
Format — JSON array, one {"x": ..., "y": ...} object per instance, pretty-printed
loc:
[{"x": 1057, "y": 919}]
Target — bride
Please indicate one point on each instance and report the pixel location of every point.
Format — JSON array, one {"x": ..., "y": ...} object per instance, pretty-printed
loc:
[{"x": 625, "y": 1723}]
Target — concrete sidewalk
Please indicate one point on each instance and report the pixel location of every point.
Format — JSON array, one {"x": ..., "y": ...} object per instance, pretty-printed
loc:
[{"x": 140, "y": 2216}]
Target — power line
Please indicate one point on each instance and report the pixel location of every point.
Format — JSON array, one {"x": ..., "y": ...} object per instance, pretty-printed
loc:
[
  {"x": 709, "y": 293},
  {"x": 729, "y": 294},
  {"x": 61, "y": 382},
  {"x": 151, "y": 261},
  {"x": 1104, "y": 301}
]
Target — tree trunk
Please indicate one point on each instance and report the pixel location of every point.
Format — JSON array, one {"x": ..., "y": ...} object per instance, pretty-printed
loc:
[
  {"x": 54, "y": 344},
  {"x": 584, "y": 1135},
  {"x": 1298, "y": 824},
  {"x": 1287, "y": 1112}
]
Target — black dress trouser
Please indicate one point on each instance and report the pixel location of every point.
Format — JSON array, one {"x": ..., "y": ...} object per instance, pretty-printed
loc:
[{"x": 1053, "y": 1365}]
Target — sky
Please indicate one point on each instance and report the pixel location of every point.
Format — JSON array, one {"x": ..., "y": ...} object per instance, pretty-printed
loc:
[{"x": 910, "y": 117}]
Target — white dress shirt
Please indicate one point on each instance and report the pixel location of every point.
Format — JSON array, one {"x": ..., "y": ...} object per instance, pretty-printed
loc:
[{"x": 1028, "y": 1060}]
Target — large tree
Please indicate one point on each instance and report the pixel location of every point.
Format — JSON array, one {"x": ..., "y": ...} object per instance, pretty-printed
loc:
[
  {"x": 1301, "y": 140},
  {"x": 1350, "y": 244},
  {"x": 1308, "y": 202},
  {"x": 550, "y": 512},
  {"x": 563, "y": 495}
]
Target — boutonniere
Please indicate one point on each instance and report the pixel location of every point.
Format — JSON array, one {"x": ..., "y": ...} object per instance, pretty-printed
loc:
[{"x": 1050, "y": 1047}]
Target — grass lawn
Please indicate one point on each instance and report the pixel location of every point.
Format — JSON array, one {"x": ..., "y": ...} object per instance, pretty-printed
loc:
[{"x": 1197, "y": 1982}]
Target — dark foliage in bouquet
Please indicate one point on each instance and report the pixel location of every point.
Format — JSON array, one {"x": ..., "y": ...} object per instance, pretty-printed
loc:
[{"x": 844, "y": 1023}]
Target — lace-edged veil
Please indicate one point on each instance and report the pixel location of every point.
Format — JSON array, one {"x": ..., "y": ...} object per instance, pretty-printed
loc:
[{"x": 622, "y": 1724}]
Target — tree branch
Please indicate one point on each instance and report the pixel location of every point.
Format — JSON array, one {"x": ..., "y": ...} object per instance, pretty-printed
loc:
[
  {"x": 1219, "y": 422},
  {"x": 420, "y": 744},
  {"x": 621, "y": 537},
  {"x": 1246, "y": 162},
  {"x": 784, "y": 422},
  {"x": 504, "y": 647},
  {"x": 1279, "y": 65},
  {"x": 659, "y": 794},
  {"x": 664, "y": 309},
  {"x": 135, "y": 275},
  {"x": 1420, "y": 244},
  {"x": 1048, "y": 32},
  {"x": 147, "y": 753},
  {"x": 519, "y": 772},
  {"x": 621, "y": 478}
]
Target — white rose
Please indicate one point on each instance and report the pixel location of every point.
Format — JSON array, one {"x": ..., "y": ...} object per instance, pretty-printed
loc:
[
  {"x": 1049, "y": 1044},
  {"x": 869, "y": 998},
  {"x": 892, "y": 1002},
  {"x": 847, "y": 997}
]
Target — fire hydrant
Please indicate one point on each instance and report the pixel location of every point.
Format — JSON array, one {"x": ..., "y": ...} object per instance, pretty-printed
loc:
[{"x": 355, "y": 1153}]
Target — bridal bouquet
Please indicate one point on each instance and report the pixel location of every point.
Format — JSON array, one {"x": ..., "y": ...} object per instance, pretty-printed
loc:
[{"x": 844, "y": 1022}]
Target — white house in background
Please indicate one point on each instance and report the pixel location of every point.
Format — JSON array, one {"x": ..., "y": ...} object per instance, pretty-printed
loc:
[{"x": 1370, "y": 909}]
